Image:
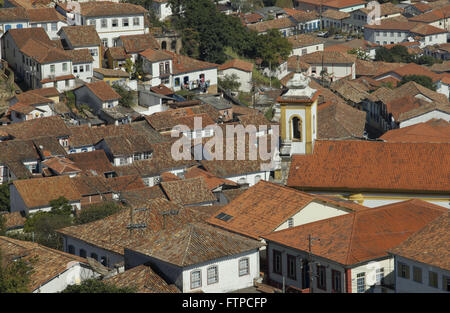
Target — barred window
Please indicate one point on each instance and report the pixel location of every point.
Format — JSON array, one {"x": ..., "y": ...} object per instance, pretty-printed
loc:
[
  {"x": 213, "y": 275},
  {"x": 243, "y": 267},
  {"x": 196, "y": 279}
]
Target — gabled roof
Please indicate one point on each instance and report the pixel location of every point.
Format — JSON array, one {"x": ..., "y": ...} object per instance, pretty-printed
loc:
[
  {"x": 81, "y": 36},
  {"x": 304, "y": 40},
  {"x": 49, "y": 263},
  {"x": 38, "y": 192},
  {"x": 185, "y": 64},
  {"x": 155, "y": 55},
  {"x": 92, "y": 163},
  {"x": 118, "y": 235},
  {"x": 279, "y": 23},
  {"x": 80, "y": 56},
  {"x": 102, "y": 90},
  {"x": 432, "y": 131},
  {"x": 237, "y": 64},
  {"x": 144, "y": 279},
  {"x": 14, "y": 152},
  {"x": 188, "y": 191},
  {"x": 425, "y": 29},
  {"x": 13, "y": 14},
  {"x": 328, "y": 57},
  {"x": 107, "y": 8},
  {"x": 424, "y": 109},
  {"x": 44, "y": 15},
  {"x": 44, "y": 53},
  {"x": 212, "y": 182},
  {"x": 265, "y": 206},
  {"x": 385, "y": 9},
  {"x": 95, "y": 185},
  {"x": 432, "y": 16},
  {"x": 194, "y": 243},
  {"x": 138, "y": 43},
  {"x": 53, "y": 126},
  {"x": 61, "y": 165},
  {"x": 339, "y": 120},
  {"x": 373, "y": 166},
  {"x": 22, "y": 35},
  {"x": 108, "y": 72},
  {"x": 430, "y": 245},
  {"x": 117, "y": 53},
  {"x": 358, "y": 237}
]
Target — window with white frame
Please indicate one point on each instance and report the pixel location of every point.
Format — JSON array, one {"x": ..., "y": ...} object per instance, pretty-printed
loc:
[
  {"x": 93, "y": 52},
  {"x": 54, "y": 26},
  {"x": 104, "y": 23},
  {"x": 52, "y": 68},
  {"x": 125, "y": 22},
  {"x": 64, "y": 67},
  {"x": 136, "y": 21},
  {"x": 196, "y": 279},
  {"x": 115, "y": 22},
  {"x": 123, "y": 161},
  {"x": 87, "y": 67},
  {"x": 105, "y": 42},
  {"x": 93, "y": 22},
  {"x": 75, "y": 69},
  {"x": 361, "y": 282},
  {"x": 81, "y": 68},
  {"x": 244, "y": 267},
  {"x": 213, "y": 275}
]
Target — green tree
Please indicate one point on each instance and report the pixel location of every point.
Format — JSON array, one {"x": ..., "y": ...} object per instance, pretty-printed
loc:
[
  {"x": 230, "y": 82},
  {"x": 4, "y": 197},
  {"x": 127, "y": 96},
  {"x": 14, "y": 276},
  {"x": 426, "y": 60},
  {"x": 43, "y": 225},
  {"x": 96, "y": 212},
  {"x": 423, "y": 80},
  {"x": 2, "y": 225},
  {"x": 97, "y": 286},
  {"x": 284, "y": 3},
  {"x": 273, "y": 48}
]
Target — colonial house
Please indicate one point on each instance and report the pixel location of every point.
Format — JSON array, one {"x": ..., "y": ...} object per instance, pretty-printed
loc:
[
  {"x": 242, "y": 69},
  {"x": 333, "y": 19},
  {"x": 36, "y": 59},
  {"x": 384, "y": 173},
  {"x": 439, "y": 17},
  {"x": 305, "y": 21},
  {"x": 33, "y": 195},
  {"x": 29, "y": 105},
  {"x": 134, "y": 44},
  {"x": 111, "y": 76},
  {"x": 82, "y": 64},
  {"x": 304, "y": 44},
  {"x": 393, "y": 31},
  {"x": 18, "y": 159},
  {"x": 116, "y": 58},
  {"x": 179, "y": 72},
  {"x": 358, "y": 18},
  {"x": 97, "y": 95},
  {"x": 336, "y": 65},
  {"x": 231, "y": 262},
  {"x": 284, "y": 25},
  {"x": 441, "y": 51},
  {"x": 339, "y": 5},
  {"x": 347, "y": 253},
  {"x": 111, "y": 19},
  {"x": 82, "y": 37},
  {"x": 424, "y": 113},
  {"x": 53, "y": 270},
  {"x": 124, "y": 150},
  {"x": 421, "y": 261},
  {"x": 267, "y": 207},
  {"x": 87, "y": 239}
]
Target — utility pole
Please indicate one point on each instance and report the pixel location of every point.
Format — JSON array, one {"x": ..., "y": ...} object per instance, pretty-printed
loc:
[{"x": 310, "y": 261}]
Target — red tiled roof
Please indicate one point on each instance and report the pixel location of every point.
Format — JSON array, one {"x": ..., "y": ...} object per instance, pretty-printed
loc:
[
  {"x": 238, "y": 64},
  {"x": 265, "y": 206},
  {"x": 361, "y": 236},
  {"x": 373, "y": 166},
  {"x": 103, "y": 91},
  {"x": 431, "y": 131}
]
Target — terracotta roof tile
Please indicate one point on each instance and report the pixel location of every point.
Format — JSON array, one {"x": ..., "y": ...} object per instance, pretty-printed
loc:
[
  {"x": 80, "y": 56},
  {"x": 279, "y": 23},
  {"x": 361, "y": 236},
  {"x": 144, "y": 279},
  {"x": 424, "y": 109},
  {"x": 188, "y": 191},
  {"x": 211, "y": 181},
  {"x": 237, "y": 64},
  {"x": 138, "y": 43},
  {"x": 92, "y": 163},
  {"x": 108, "y": 8},
  {"x": 13, "y": 220},
  {"x": 38, "y": 192},
  {"x": 53, "y": 126},
  {"x": 115, "y": 226},
  {"x": 155, "y": 55},
  {"x": 45, "y": 15},
  {"x": 431, "y": 131},
  {"x": 329, "y": 57},
  {"x": 265, "y": 206},
  {"x": 81, "y": 36},
  {"x": 50, "y": 263},
  {"x": 430, "y": 245},
  {"x": 107, "y": 72},
  {"x": 103, "y": 91},
  {"x": 340, "y": 121},
  {"x": 373, "y": 166},
  {"x": 181, "y": 246}
]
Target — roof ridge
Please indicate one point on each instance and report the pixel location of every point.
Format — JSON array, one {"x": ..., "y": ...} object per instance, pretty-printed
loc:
[
  {"x": 191, "y": 226},
  {"x": 351, "y": 240}
]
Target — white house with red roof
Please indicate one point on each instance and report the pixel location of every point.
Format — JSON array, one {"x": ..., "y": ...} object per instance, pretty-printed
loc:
[
  {"x": 242, "y": 69},
  {"x": 97, "y": 95}
]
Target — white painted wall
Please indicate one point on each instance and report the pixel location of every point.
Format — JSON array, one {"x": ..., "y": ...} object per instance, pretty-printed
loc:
[
  {"x": 162, "y": 9},
  {"x": 244, "y": 78},
  {"x": 73, "y": 275},
  {"x": 307, "y": 49},
  {"x": 250, "y": 178},
  {"x": 425, "y": 118},
  {"x": 411, "y": 286}
]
